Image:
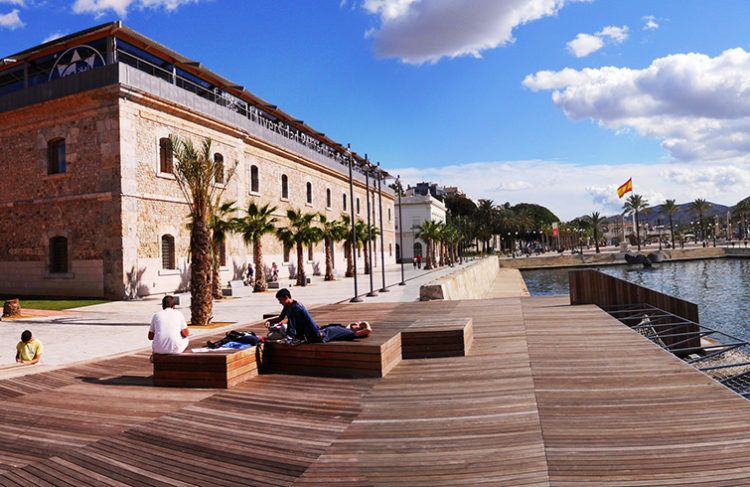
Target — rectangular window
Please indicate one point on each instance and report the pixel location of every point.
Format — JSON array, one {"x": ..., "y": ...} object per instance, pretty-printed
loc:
[{"x": 56, "y": 157}]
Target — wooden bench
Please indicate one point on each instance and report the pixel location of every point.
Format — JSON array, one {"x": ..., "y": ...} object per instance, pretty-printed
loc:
[
  {"x": 217, "y": 369},
  {"x": 374, "y": 356},
  {"x": 435, "y": 337}
]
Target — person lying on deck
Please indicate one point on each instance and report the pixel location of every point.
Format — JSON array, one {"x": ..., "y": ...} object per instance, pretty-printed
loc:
[{"x": 337, "y": 333}]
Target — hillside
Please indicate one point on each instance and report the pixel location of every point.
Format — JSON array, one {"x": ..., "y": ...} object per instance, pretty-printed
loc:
[{"x": 684, "y": 215}]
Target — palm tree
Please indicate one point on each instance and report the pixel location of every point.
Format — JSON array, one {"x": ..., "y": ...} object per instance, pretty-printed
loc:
[
  {"x": 366, "y": 235},
  {"x": 300, "y": 232},
  {"x": 596, "y": 221},
  {"x": 699, "y": 207},
  {"x": 332, "y": 231},
  {"x": 194, "y": 172},
  {"x": 428, "y": 232},
  {"x": 257, "y": 222},
  {"x": 220, "y": 224},
  {"x": 670, "y": 208},
  {"x": 636, "y": 204}
]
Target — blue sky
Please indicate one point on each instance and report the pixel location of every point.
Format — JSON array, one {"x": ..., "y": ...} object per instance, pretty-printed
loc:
[{"x": 548, "y": 101}]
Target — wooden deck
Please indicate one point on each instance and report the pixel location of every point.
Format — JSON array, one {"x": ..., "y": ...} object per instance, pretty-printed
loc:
[{"x": 548, "y": 394}]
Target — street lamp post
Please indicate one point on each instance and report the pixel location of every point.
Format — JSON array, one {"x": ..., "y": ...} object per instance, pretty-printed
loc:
[
  {"x": 369, "y": 227},
  {"x": 400, "y": 230},
  {"x": 382, "y": 233},
  {"x": 356, "y": 298}
]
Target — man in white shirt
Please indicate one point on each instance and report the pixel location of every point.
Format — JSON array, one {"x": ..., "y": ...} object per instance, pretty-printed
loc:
[{"x": 169, "y": 330}]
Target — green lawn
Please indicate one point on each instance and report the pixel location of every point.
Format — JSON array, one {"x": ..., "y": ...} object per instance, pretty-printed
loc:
[{"x": 57, "y": 304}]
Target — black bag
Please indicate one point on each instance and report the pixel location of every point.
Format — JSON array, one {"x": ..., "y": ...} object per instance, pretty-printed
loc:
[{"x": 248, "y": 337}]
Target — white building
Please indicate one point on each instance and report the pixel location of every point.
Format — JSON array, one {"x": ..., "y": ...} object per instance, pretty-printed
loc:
[{"x": 415, "y": 210}]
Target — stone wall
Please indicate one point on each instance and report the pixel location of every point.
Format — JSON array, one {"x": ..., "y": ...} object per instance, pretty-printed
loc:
[
  {"x": 471, "y": 282},
  {"x": 153, "y": 205},
  {"x": 80, "y": 204}
]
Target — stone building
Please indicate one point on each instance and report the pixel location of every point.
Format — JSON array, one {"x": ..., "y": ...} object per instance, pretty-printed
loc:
[
  {"x": 88, "y": 202},
  {"x": 416, "y": 209}
]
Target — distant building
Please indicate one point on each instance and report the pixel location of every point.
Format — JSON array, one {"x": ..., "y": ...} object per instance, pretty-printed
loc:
[
  {"x": 415, "y": 210},
  {"x": 425, "y": 189}
]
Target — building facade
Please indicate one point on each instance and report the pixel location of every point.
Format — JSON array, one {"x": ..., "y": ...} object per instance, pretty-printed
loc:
[
  {"x": 415, "y": 210},
  {"x": 89, "y": 204}
]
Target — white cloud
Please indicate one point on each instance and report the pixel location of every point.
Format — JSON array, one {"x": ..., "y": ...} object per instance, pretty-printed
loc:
[
  {"x": 18, "y": 3},
  {"x": 572, "y": 190},
  {"x": 53, "y": 36},
  {"x": 649, "y": 23},
  {"x": 585, "y": 44},
  {"x": 421, "y": 31},
  {"x": 11, "y": 20},
  {"x": 121, "y": 7},
  {"x": 697, "y": 106}
]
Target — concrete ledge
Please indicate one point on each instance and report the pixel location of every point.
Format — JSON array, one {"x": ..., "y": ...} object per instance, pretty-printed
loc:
[{"x": 470, "y": 282}]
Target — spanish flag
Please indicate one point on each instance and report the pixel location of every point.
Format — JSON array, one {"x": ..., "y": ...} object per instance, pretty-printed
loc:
[{"x": 625, "y": 188}]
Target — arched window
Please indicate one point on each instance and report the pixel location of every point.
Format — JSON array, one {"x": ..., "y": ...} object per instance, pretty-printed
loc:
[
  {"x": 357, "y": 205},
  {"x": 166, "y": 156},
  {"x": 56, "y": 156},
  {"x": 167, "y": 252},
  {"x": 328, "y": 197},
  {"x": 417, "y": 249},
  {"x": 58, "y": 255},
  {"x": 309, "y": 252},
  {"x": 287, "y": 251},
  {"x": 284, "y": 187},
  {"x": 218, "y": 168},
  {"x": 389, "y": 214},
  {"x": 344, "y": 200},
  {"x": 309, "y": 193},
  {"x": 254, "y": 179}
]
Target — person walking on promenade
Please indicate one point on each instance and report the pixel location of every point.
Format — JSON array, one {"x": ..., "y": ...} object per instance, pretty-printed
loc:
[
  {"x": 169, "y": 330},
  {"x": 29, "y": 349}
]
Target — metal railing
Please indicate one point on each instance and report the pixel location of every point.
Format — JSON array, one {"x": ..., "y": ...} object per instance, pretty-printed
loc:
[
  {"x": 722, "y": 356},
  {"x": 227, "y": 100}
]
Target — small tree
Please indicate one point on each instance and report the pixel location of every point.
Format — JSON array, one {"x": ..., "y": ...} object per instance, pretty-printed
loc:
[
  {"x": 428, "y": 233},
  {"x": 300, "y": 232},
  {"x": 194, "y": 172},
  {"x": 258, "y": 221},
  {"x": 595, "y": 220},
  {"x": 670, "y": 208},
  {"x": 636, "y": 204},
  {"x": 332, "y": 231},
  {"x": 699, "y": 207}
]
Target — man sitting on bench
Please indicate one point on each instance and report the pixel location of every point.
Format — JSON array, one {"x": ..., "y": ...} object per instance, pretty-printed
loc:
[
  {"x": 169, "y": 330},
  {"x": 300, "y": 326}
]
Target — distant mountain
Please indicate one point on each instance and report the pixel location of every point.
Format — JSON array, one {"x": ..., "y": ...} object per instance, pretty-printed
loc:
[{"x": 684, "y": 215}]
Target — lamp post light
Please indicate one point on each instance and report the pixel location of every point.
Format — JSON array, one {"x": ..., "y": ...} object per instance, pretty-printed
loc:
[
  {"x": 400, "y": 230},
  {"x": 356, "y": 298},
  {"x": 382, "y": 233}
]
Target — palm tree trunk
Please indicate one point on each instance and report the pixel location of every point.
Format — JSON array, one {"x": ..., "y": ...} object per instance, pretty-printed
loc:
[
  {"x": 671, "y": 230},
  {"x": 596, "y": 240},
  {"x": 349, "y": 261},
  {"x": 637, "y": 232},
  {"x": 428, "y": 259},
  {"x": 201, "y": 305},
  {"x": 365, "y": 250},
  {"x": 300, "y": 265},
  {"x": 329, "y": 260},
  {"x": 260, "y": 273},
  {"x": 215, "y": 276}
]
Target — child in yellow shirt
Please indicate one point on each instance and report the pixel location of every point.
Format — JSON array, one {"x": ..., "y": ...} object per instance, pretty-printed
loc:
[{"x": 29, "y": 349}]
